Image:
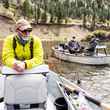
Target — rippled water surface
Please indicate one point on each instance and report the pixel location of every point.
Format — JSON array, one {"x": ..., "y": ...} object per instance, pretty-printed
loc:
[{"x": 94, "y": 79}]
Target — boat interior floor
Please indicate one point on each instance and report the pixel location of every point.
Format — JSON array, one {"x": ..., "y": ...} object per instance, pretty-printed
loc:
[{"x": 50, "y": 105}]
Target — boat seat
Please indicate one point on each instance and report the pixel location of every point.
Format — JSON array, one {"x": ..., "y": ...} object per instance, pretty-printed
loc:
[{"x": 25, "y": 89}]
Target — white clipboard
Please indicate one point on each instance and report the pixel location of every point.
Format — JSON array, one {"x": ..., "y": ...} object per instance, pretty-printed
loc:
[{"x": 39, "y": 69}]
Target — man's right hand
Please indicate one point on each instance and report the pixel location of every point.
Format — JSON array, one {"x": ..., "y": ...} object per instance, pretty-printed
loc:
[{"x": 18, "y": 67}]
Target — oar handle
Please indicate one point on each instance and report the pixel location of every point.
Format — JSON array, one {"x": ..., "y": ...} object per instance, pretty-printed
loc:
[
  {"x": 97, "y": 102},
  {"x": 105, "y": 106}
]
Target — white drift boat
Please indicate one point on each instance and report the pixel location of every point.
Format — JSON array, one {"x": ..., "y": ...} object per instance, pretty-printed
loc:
[
  {"x": 37, "y": 92},
  {"x": 96, "y": 59}
]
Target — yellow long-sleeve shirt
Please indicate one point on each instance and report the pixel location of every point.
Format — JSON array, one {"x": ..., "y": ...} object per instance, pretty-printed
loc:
[{"x": 22, "y": 52}]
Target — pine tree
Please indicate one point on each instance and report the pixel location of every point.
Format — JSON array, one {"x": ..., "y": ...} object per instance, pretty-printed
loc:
[
  {"x": 6, "y": 3},
  {"x": 26, "y": 9}
]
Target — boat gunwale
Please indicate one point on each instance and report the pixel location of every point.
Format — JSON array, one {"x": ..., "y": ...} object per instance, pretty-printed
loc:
[{"x": 73, "y": 55}]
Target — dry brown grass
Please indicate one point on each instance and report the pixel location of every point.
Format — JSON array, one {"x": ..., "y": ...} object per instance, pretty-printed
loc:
[{"x": 47, "y": 32}]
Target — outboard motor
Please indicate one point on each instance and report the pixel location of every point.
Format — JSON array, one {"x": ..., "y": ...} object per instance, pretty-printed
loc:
[{"x": 25, "y": 91}]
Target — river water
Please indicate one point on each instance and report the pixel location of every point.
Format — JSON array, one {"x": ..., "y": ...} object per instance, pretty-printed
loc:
[{"x": 94, "y": 79}]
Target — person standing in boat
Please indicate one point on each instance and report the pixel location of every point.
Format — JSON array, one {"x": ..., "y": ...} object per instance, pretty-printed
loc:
[
  {"x": 73, "y": 46},
  {"x": 22, "y": 50},
  {"x": 92, "y": 45}
]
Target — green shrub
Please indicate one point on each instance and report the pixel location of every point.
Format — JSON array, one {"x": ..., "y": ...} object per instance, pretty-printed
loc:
[{"x": 98, "y": 33}]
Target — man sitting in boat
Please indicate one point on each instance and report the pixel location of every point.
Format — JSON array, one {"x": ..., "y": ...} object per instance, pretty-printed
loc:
[
  {"x": 92, "y": 46},
  {"x": 73, "y": 46},
  {"x": 22, "y": 50}
]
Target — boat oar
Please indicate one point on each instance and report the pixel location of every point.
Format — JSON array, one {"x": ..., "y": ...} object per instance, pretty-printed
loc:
[{"x": 92, "y": 99}]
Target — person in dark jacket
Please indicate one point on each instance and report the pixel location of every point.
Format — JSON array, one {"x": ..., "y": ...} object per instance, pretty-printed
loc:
[
  {"x": 92, "y": 45},
  {"x": 73, "y": 46}
]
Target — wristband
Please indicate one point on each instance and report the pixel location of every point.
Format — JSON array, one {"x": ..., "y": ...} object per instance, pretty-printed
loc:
[{"x": 25, "y": 65}]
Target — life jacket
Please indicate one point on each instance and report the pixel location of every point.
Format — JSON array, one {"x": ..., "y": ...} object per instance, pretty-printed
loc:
[{"x": 15, "y": 44}]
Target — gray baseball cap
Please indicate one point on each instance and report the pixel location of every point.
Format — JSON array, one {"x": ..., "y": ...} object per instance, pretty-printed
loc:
[{"x": 23, "y": 24}]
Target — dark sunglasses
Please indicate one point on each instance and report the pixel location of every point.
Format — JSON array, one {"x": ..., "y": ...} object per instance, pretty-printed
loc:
[{"x": 27, "y": 30}]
